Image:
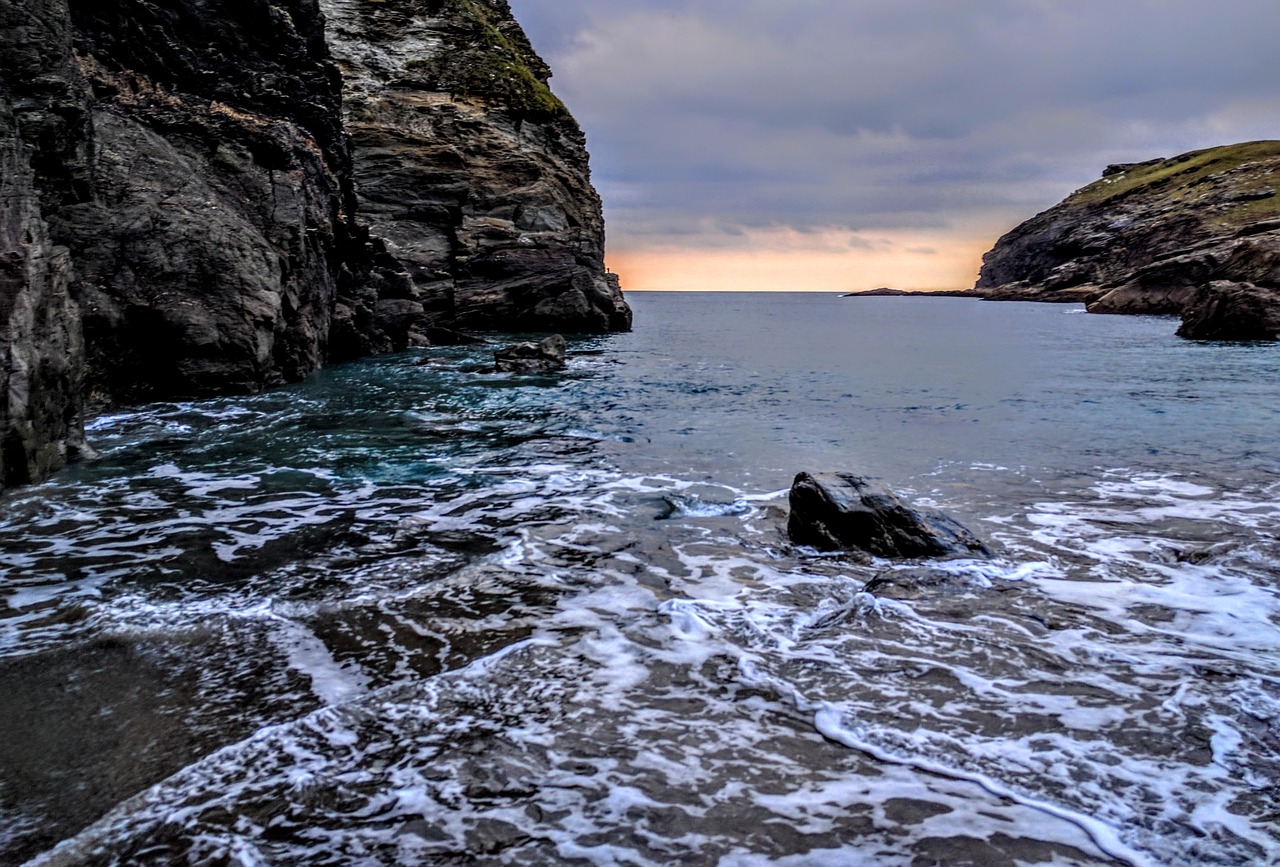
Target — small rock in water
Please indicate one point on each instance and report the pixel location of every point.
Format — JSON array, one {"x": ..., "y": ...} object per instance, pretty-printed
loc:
[
  {"x": 842, "y": 511},
  {"x": 543, "y": 357},
  {"x": 424, "y": 830}
]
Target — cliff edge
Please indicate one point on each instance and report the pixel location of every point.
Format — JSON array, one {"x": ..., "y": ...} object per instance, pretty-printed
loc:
[
  {"x": 1197, "y": 235},
  {"x": 470, "y": 172}
]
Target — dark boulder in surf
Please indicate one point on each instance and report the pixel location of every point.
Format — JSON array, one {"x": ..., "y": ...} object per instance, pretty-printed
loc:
[
  {"x": 544, "y": 357},
  {"x": 842, "y": 511}
]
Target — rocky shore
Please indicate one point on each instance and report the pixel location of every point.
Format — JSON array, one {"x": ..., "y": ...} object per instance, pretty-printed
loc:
[
  {"x": 207, "y": 197},
  {"x": 1197, "y": 235}
]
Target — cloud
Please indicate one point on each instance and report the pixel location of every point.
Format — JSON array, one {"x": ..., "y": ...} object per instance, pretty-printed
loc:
[{"x": 710, "y": 119}]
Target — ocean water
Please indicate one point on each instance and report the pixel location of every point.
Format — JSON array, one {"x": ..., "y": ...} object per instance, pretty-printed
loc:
[{"x": 416, "y": 612}]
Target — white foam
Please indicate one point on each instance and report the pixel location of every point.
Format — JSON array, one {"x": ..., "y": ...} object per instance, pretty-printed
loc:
[
  {"x": 676, "y": 647},
  {"x": 829, "y": 720},
  {"x": 331, "y": 682}
]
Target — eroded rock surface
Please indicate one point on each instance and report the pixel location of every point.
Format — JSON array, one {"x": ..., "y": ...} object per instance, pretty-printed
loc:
[
  {"x": 43, "y": 162},
  {"x": 1196, "y": 235},
  {"x": 210, "y": 255},
  {"x": 41, "y": 353}
]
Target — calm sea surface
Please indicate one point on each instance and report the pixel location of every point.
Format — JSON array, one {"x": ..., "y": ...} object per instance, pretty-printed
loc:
[{"x": 416, "y": 612}]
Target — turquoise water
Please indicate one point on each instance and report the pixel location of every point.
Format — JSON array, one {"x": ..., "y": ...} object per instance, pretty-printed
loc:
[{"x": 414, "y": 611}]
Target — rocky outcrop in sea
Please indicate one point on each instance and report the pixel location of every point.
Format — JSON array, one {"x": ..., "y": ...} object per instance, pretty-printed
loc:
[
  {"x": 546, "y": 356},
  {"x": 846, "y": 512},
  {"x": 215, "y": 196},
  {"x": 1197, "y": 235}
]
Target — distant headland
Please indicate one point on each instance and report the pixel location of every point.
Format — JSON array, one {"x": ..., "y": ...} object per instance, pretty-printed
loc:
[{"x": 1196, "y": 236}]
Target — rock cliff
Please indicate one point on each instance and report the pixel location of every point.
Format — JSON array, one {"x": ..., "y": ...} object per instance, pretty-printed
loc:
[
  {"x": 470, "y": 171},
  {"x": 214, "y": 196},
  {"x": 1196, "y": 235},
  {"x": 210, "y": 251}
]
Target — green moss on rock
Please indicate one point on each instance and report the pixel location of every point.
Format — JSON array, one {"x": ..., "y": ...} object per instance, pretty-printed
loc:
[
  {"x": 486, "y": 56},
  {"x": 1240, "y": 171}
]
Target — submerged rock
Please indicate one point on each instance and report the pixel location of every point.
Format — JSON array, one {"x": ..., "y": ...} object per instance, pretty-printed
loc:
[
  {"x": 916, "y": 583},
  {"x": 1196, "y": 235},
  {"x": 546, "y": 356},
  {"x": 842, "y": 511}
]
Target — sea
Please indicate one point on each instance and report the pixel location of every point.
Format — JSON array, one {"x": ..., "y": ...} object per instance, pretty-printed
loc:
[{"x": 414, "y": 611}]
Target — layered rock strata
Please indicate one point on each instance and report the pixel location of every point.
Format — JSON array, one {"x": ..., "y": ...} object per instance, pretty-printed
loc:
[
  {"x": 1197, "y": 235},
  {"x": 180, "y": 199},
  {"x": 470, "y": 171}
]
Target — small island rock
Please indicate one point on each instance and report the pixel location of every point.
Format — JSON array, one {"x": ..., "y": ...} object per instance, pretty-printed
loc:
[
  {"x": 842, "y": 511},
  {"x": 543, "y": 357}
]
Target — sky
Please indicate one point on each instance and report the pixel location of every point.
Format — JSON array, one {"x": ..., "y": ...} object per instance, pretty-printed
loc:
[{"x": 838, "y": 145}]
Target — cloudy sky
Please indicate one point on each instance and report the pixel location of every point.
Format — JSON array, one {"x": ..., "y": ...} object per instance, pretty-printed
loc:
[{"x": 849, "y": 144}]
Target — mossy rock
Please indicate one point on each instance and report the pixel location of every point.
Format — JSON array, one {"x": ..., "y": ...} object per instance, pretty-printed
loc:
[
  {"x": 486, "y": 56},
  {"x": 1243, "y": 179}
]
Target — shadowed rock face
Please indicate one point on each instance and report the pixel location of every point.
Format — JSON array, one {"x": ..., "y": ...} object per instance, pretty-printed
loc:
[
  {"x": 43, "y": 161},
  {"x": 180, "y": 210},
  {"x": 208, "y": 257},
  {"x": 470, "y": 171},
  {"x": 1197, "y": 235},
  {"x": 40, "y": 343},
  {"x": 189, "y": 163}
]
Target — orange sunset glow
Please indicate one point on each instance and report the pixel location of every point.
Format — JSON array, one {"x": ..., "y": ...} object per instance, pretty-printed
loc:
[{"x": 812, "y": 262}]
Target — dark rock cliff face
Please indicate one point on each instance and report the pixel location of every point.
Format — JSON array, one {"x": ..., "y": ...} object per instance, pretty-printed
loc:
[
  {"x": 41, "y": 353},
  {"x": 180, "y": 197},
  {"x": 209, "y": 256},
  {"x": 190, "y": 156},
  {"x": 43, "y": 149},
  {"x": 1196, "y": 235},
  {"x": 470, "y": 171}
]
